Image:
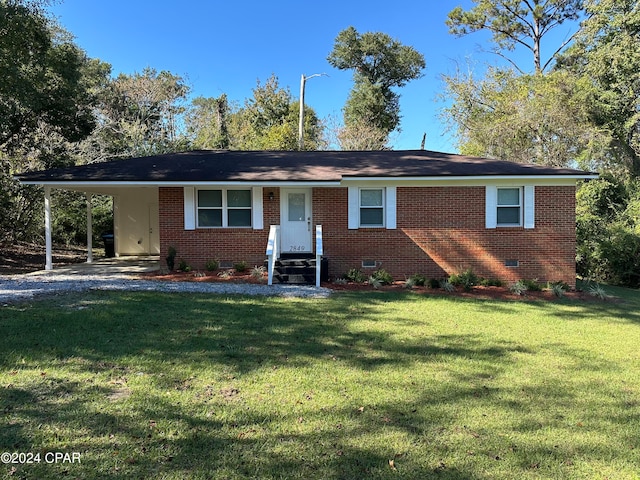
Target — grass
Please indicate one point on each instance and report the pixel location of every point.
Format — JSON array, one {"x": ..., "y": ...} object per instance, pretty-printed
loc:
[{"x": 361, "y": 385}]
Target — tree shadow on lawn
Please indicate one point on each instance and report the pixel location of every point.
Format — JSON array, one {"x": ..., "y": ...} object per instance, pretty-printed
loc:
[{"x": 172, "y": 337}]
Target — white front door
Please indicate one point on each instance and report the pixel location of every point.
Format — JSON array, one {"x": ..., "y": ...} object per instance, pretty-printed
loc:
[{"x": 295, "y": 220}]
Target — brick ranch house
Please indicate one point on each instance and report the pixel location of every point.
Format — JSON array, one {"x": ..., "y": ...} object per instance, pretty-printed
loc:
[{"x": 404, "y": 211}]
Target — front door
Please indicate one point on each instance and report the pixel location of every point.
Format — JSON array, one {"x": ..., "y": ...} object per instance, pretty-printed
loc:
[{"x": 295, "y": 220}]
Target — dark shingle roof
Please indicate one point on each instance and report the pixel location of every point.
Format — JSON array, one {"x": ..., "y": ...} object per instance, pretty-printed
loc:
[{"x": 290, "y": 166}]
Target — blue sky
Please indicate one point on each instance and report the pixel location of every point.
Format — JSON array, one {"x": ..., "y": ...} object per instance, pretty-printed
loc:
[{"x": 225, "y": 47}]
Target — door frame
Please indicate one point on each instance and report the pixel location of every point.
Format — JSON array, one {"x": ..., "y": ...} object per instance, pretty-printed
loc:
[{"x": 306, "y": 245}]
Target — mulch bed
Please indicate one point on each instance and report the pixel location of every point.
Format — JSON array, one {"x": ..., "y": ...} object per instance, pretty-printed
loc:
[{"x": 488, "y": 293}]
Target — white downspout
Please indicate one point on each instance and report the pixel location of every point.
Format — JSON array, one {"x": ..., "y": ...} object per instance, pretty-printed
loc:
[
  {"x": 89, "y": 230},
  {"x": 48, "y": 263}
]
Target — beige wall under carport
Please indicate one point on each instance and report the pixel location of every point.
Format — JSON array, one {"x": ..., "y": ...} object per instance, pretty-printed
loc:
[{"x": 135, "y": 221}]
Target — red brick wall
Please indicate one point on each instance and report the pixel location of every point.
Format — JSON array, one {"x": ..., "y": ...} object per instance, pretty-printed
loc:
[
  {"x": 440, "y": 231},
  {"x": 198, "y": 246}
]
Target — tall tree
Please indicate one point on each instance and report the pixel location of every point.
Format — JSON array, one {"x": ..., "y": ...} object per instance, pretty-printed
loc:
[
  {"x": 47, "y": 98},
  {"x": 140, "y": 114},
  {"x": 207, "y": 122},
  {"x": 515, "y": 23},
  {"x": 380, "y": 64},
  {"x": 522, "y": 118},
  {"x": 607, "y": 56},
  {"x": 269, "y": 121}
]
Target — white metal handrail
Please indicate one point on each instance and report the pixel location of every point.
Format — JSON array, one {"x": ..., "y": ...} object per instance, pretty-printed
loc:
[
  {"x": 319, "y": 253},
  {"x": 273, "y": 251}
]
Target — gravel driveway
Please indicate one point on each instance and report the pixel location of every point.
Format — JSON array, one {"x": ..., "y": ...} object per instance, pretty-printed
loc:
[{"x": 15, "y": 288}]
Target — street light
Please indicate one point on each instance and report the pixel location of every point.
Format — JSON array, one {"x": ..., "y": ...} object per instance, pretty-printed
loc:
[{"x": 301, "y": 119}]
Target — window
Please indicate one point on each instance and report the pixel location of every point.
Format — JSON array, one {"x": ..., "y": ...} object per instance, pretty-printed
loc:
[
  {"x": 372, "y": 207},
  {"x": 224, "y": 208},
  {"x": 509, "y": 207}
]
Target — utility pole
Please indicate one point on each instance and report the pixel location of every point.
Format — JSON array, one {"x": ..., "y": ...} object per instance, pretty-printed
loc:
[{"x": 303, "y": 80}]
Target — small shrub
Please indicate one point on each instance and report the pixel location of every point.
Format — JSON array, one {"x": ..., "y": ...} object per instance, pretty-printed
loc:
[
  {"x": 375, "y": 282},
  {"x": 418, "y": 279},
  {"x": 382, "y": 276},
  {"x": 532, "y": 285},
  {"x": 212, "y": 265},
  {"x": 409, "y": 283},
  {"x": 558, "y": 290},
  {"x": 225, "y": 274},
  {"x": 240, "y": 267},
  {"x": 466, "y": 279},
  {"x": 356, "y": 276},
  {"x": 258, "y": 272},
  {"x": 171, "y": 258},
  {"x": 198, "y": 274},
  {"x": 447, "y": 286},
  {"x": 434, "y": 283},
  {"x": 519, "y": 288},
  {"x": 559, "y": 284},
  {"x": 597, "y": 291},
  {"x": 340, "y": 281},
  {"x": 183, "y": 266},
  {"x": 491, "y": 282}
]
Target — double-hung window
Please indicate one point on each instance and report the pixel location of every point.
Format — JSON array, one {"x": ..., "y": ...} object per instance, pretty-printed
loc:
[
  {"x": 224, "y": 208},
  {"x": 509, "y": 207},
  {"x": 372, "y": 207}
]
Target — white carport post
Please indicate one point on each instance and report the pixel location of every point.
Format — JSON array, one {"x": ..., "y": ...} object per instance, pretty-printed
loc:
[
  {"x": 89, "y": 231},
  {"x": 48, "y": 263}
]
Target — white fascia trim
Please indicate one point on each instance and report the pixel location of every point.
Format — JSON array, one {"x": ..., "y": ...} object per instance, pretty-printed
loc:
[{"x": 559, "y": 180}]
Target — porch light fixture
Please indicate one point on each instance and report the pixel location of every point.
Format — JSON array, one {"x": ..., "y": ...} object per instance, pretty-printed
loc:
[{"x": 271, "y": 196}]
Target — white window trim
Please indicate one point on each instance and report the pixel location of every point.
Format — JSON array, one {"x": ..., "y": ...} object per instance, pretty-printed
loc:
[
  {"x": 389, "y": 208},
  {"x": 527, "y": 208},
  {"x": 519, "y": 206},
  {"x": 370, "y": 207},
  {"x": 225, "y": 208}
]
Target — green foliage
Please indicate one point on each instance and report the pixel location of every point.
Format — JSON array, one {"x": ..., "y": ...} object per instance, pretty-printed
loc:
[
  {"x": 212, "y": 265},
  {"x": 532, "y": 285},
  {"x": 491, "y": 282},
  {"x": 514, "y": 23},
  {"x": 606, "y": 55},
  {"x": 355, "y": 275},
  {"x": 375, "y": 282},
  {"x": 382, "y": 276},
  {"x": 434, "y": 283},
  {"x": 608, "y": 231},
  {"x": 183, "y": 266},
  {"x": 522, "y": 118},
  {"x": 171, "y": 258},
  {"x": 447, "y": 286},
  {"x": 240, "y": 266},
  {"x": 47, "y": 96},
  {"x": 379, "y": 63},
  {"x": 597, "y": 291},
  {"x": 418, "y": 279},
  {"x": 269, "y": 121},
  {"x": 207, "y": 122},
  {"x": 257, "y": 272},
  {"x": 558, "y": 288},
  {"x": 519, "y": 288},
  {"x": 466, "y": 280}
]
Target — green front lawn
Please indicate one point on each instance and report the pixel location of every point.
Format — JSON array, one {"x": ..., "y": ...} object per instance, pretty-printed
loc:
[{"x": 360, "y": 385}]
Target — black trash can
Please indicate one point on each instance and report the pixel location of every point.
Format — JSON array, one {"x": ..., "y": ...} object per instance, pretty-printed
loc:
[{"x": 109, "y": 245}]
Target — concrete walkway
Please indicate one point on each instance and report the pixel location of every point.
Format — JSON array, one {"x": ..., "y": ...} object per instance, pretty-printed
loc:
[{"x": 106, "y": 266}]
